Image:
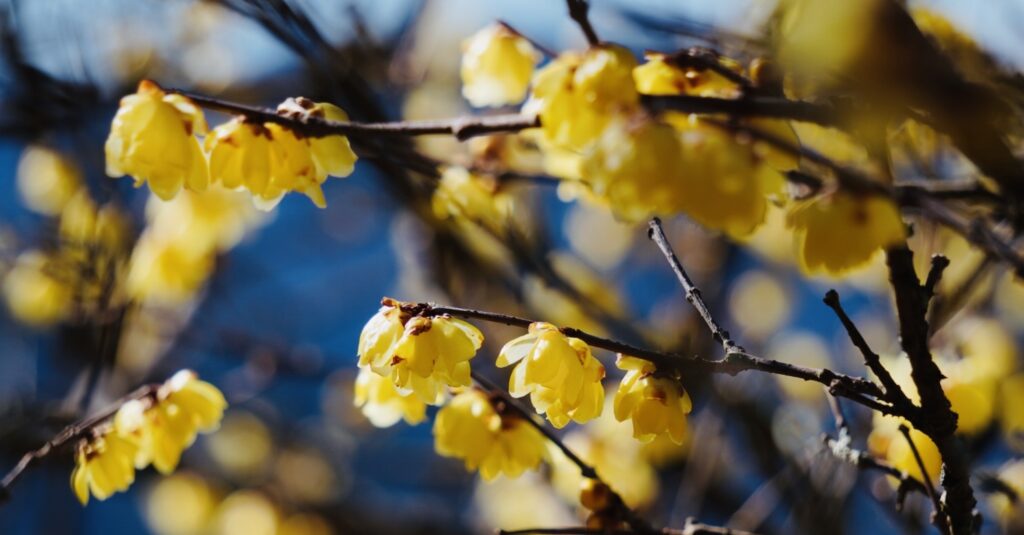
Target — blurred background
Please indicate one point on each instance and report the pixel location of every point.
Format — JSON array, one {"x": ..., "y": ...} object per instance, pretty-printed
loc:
[{"x": 274, "y": 320}]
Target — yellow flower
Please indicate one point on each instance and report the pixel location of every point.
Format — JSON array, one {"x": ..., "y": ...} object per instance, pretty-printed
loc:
[
  {"x": 291, "y": 169},
  {"x": 151, "y": 139},
  {"x": 656, "y": 405},
  {"x": 637, "y": 167},
  {"x": 103, "y": 466},
  {"x": 559, "y": 373},
  {"x": 470, "y": 428},
  {"x": 88, "y": 229},
  {"x": 496, "y": 66},
  {"x": 420, "y": 354},
  {"x": 46, "y": 179},
  {"x": 383, "y": 404},
  {"x": 239, "y": 155},
  {"x": 34, "y": 294},
  {"x": 577, "y": 95},
  {"x": 659, "y": 77},
  {"x": 165, "y": 426},
  {"x": 725, "y": 186},
  {"x": 840, "y": 231},
  {"x": 332, "y": 155}
]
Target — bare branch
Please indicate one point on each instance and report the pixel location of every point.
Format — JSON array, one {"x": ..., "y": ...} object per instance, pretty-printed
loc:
[
  {"x": 892, "y": 390},
  {"x": 938, "y": 516},
  {"x": 578, "y": 11},
  {"x": 461, "y": 127},
  {"x": 693, "y": 296}
]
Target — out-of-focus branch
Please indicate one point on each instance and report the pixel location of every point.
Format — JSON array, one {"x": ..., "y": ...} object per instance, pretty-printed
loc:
[
  {"x": 976, "y": 231},
  {"x": 68, "y": 435}
]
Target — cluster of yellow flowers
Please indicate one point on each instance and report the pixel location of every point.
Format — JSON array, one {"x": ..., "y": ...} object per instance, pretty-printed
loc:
[
  {"x": 153, "y": 139},
  {"x": 607, "y": 148},
  {"x": 45, "y": 286},
  {"x": 408, "y": 360},
  {"x": 151, "y": 430},
  {"x": 176, "y": 252}
]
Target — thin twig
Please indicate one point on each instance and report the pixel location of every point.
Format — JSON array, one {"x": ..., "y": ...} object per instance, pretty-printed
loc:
[
  {"x": 631, "y": 517},
  {"x": 939, "y": 516},
  {"x": 68, "y": 435},
  {"x": 578, "y": 11},
  {"x": 461, "y": 127},
  {"x": 893, "y": 393},
  {"x": 693, "y": 295},
  {"x": 939, "y": 264}
]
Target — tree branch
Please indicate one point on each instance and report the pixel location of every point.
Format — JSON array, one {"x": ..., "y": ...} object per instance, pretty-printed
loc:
[
  {"x": 578, "y": 11},
  {"x": 857, "y": 389},
  {"x": 461, "y": 127},
  {"x": 938, "y": 515},
  {"x": 936, "y": 417},
  {"x": 69, "y": 434},
  {"x": 693, "y": 295}
]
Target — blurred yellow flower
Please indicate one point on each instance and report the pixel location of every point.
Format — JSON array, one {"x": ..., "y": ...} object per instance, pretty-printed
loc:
[
  {"x": 725, "y": 185},
  {"x": 34, "y": 294},
  {"x": 180, "y": 504},
  {"x": 470, "y": 428},
  {"x": 840, "y": 231},
  {"x": 656, "y": 405},
  {"x": 383, "y": 404},
  {"x": 167, "y": 271},
  {"x": 462, "y": 194},
  {"x": 152, "y": 138},
  {"x": 103, "y": 465},
  {"x": 637, "y": 166},
  {"x": 577, "y": 95},
  {"x": 497, "y": 64},
  {"x": 46, "y": 179},
  {"x": 559, "y": 373}
]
